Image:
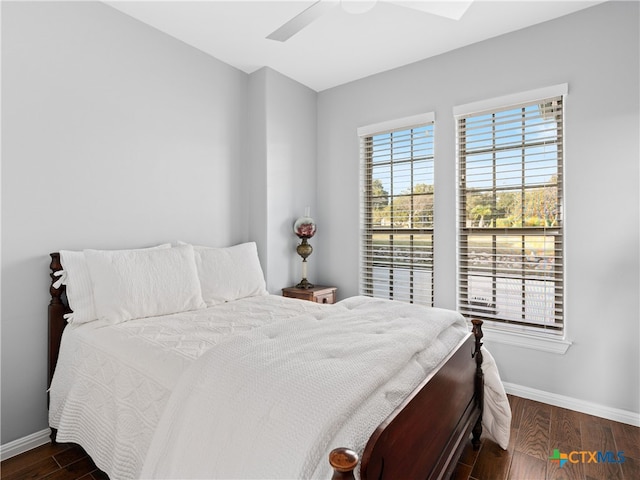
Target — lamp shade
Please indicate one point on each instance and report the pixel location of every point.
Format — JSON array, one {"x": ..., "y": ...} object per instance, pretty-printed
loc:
[{"x": 305, "y": 226}]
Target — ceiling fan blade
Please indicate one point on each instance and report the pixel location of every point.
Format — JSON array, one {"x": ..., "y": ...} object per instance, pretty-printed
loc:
[
  {"x": 450, "y": 9},
  {"x": 297, "y": 23}
]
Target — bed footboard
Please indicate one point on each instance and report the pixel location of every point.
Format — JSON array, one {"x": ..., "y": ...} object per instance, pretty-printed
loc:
[{"x": 424, "y": 436}]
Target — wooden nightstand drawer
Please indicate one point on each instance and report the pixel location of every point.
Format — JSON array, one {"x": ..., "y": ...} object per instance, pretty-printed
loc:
[{"x": 316, "y": 294}]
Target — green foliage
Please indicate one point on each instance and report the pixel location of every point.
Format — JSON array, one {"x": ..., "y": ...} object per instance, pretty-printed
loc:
[
  {"x": 531, "y": 207},
  {"x": 410, "y": 209},
  {"x": 534, "y": 222},
  {"x": 379, "y": 196},
  {"x": 508, "y": 209}
]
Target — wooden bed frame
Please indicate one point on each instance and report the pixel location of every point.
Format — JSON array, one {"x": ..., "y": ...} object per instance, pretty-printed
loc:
[{"x": 422, "y": 439}]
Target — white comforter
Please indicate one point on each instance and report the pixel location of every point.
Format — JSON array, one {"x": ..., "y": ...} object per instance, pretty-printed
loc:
[{"x": 146, "y": 389}]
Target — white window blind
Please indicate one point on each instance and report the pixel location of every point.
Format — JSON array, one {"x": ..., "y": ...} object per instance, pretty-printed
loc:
[
  {"x": 397, "y": 211},
  {"x": 510, "y": 259}
]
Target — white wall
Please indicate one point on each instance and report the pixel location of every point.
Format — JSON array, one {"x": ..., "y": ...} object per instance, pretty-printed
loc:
[
  {"x": 283, "y": 161},
  {"x": 113, "y": 135},
  {"x": 116, "y": 135},
  {"x": 596, "y": 51}
]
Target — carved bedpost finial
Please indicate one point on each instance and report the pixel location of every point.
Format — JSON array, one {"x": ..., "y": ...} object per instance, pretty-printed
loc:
[
  {"x": 343, "y": 461},
  {"x": 477, "y": 333},
  {"x": 56, "y": 293},
  {"x": 479, "y": 381}
]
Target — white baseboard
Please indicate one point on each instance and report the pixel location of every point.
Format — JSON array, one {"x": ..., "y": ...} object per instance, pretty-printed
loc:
[
  {"x": 615, "y": 414},
  {"x": 24, "y": 444}
]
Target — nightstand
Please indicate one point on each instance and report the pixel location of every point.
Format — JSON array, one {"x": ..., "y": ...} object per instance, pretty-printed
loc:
[{"x": 316, "y": 294}]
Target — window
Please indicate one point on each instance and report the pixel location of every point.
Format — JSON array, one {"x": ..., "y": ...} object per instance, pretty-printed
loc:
[
  {"x": 510, "y": 257},
  {"x": 397, "y": 210}
]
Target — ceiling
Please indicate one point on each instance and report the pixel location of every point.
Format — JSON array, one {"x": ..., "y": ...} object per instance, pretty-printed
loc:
[{"x": 338, "y": 47}]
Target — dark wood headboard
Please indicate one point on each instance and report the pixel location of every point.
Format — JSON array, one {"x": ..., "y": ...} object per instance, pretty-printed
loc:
[{"x": 58, "y": 307}]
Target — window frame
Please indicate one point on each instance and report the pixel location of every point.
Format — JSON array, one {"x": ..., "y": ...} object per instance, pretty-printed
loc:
[
  {"x": 519, "y": 333},
  {"x": 366, "y": 256}
]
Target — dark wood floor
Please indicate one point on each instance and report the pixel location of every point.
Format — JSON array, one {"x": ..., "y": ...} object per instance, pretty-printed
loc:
[
  {"x": 62, "y": 461},
  {"x": 536, "y": 430}
]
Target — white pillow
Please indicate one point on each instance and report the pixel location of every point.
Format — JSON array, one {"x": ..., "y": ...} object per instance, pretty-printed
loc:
[
  {"x": 79, "y": 287},
  {"x": 144, "y": 283},
  {"x": 229, "y": 273}
]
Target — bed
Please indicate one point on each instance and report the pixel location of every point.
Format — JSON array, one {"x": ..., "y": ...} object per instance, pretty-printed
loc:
[{"x": 197, "y": 372}]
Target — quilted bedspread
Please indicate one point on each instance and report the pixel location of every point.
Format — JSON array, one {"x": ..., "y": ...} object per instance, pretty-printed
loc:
[
  {"x": 143, "y": 397},
  {"x": 112, "y": 382}
]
